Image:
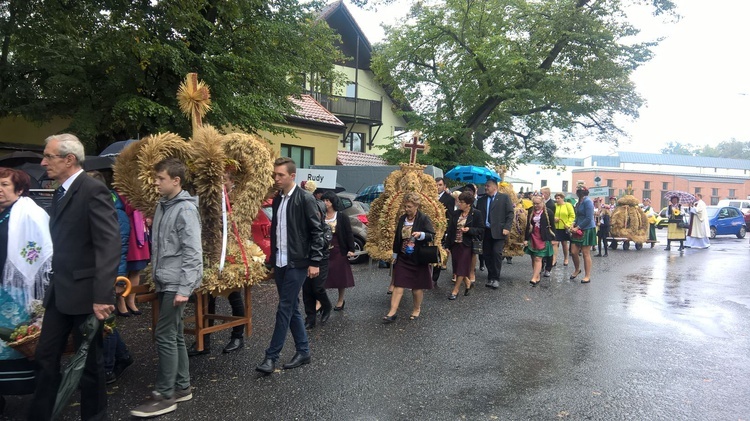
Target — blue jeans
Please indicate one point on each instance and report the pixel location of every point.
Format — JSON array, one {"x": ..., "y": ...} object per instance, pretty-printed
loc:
[
  {"x": 288, "y": 315},
  {"x": 114, "y": 350}
]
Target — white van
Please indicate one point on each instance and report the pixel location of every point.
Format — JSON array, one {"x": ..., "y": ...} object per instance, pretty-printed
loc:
[{"x": 744, "y": 205}]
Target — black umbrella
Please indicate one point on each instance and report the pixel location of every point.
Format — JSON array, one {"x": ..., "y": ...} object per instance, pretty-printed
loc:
[
  {"x": 339, "y": 188},
  {"x": 15, "y": 159},
  {"x": 36, "y": 172},
  {"x": 72, "y": 374},
  {"x": 98, "y": 163},
  {"x": 117, "y": 147}
]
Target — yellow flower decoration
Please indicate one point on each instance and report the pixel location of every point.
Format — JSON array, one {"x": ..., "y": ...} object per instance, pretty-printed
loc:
[{"x": 675, "y": 211}]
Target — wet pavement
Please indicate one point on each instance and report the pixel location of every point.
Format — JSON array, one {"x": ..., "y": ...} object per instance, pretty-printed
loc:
[{"x": 655, "y": 335}]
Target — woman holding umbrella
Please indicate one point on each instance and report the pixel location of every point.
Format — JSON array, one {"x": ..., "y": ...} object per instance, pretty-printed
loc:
[{"x": 675, "y": 225}]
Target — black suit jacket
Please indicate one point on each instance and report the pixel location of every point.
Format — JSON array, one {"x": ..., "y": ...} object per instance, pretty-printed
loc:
[
  {"x": 449, "y": 202},
  {"x": 86, "y": 240},
  {"x": 422, "y": 223},
  {"x": 475, "y": 223},
  {"x": 344, "y": 233},
  {"x": 501, "y": 214}
]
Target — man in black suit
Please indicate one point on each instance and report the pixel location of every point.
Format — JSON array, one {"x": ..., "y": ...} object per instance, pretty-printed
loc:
[
  {"x": 498, "y": 209},
  {"x": 86, "y": 241},
  {"x": 549, "y": 203},
  {"x": 444, "y": 197}
]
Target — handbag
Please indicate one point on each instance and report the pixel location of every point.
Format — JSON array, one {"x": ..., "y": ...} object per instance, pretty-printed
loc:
[
  {"x": 576, "y": 233},
  {"x": 427, "y": 255},
  {"x": 476, "y": 246}
]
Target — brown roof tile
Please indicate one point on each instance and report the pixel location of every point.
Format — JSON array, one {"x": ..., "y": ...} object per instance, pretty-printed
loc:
[
  {"x": 310, "y": 109},
  {"x": 351, "y": 158}
]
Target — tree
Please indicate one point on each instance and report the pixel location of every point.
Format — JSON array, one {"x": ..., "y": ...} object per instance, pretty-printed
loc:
[
  {"x": 508, "y": 81},
  {"x": 113, "y": 67},
  {"x": 728, "y": 149},
  {"x": 677, "y": 148}
]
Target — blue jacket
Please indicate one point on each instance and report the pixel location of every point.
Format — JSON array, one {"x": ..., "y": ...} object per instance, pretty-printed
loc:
[
  {"x": 585, "y": 214},
  {"x": 124, "y": 222}
]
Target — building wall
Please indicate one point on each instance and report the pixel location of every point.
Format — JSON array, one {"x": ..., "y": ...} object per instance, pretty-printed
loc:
[
  {"x": 19, "y": 130},
  {"x": 370, "y": 89},
  {"x": 323, "y": 143},
  {"x": 537, "y": 175},
  {"x": 659, "y": 183}
]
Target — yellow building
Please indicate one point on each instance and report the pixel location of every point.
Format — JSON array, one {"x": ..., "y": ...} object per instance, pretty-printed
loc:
[{"x": 364, "y": 105}]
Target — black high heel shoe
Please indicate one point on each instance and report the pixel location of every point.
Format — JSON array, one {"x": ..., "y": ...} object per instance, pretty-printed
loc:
[
  {"x": 575, "y": 275},
  {"x": 122, "y": 314},
  {"x": 389, "y": 319},
  {"x": 134, "y": 312},
  {"x": 337, "y": 308}
]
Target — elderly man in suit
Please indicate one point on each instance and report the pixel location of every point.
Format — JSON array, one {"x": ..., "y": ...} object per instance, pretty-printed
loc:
[
  {"x": 498, "y": 209},
  {"x": 86, "y": 241}
]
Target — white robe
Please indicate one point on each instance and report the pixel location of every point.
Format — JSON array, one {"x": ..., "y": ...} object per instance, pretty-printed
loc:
[{"x": 698, "y": 237}]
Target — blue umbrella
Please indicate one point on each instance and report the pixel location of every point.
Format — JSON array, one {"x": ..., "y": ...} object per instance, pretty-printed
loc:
[
  {"x": 472, "y": 174},
  {"x": 115, "y": 148},
  {"x": 370, "y": 193}
]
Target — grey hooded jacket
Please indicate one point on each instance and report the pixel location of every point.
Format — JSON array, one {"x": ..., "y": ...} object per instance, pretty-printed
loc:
[{"x": 177, "y": 253}]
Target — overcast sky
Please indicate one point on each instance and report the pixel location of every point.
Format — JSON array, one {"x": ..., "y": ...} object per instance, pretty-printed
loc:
[{"x": 697, "y": 86}]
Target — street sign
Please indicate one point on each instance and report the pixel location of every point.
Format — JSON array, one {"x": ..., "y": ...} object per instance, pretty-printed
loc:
[
  {"x": 324, "y": 179},
  {"x": 599, "y": 192}
]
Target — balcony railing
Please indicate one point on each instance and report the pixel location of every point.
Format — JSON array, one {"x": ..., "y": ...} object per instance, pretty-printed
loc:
[{"x": 342, "y": 106}]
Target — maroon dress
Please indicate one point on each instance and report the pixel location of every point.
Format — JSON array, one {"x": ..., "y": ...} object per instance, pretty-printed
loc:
[{"x": 339, "y": 268}]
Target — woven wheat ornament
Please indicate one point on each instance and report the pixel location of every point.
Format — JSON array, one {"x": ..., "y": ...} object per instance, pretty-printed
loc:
[{"x": 194, "y": 99}]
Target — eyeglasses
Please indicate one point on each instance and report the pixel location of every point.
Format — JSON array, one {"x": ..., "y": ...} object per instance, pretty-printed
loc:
[{"x": 48, "y": 156}]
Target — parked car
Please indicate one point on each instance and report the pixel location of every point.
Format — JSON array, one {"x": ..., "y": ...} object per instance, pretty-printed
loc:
[
  {"x": 358, "y": 218},
  {"x": 744, "y": 206},
  {"x": 662, "y": 219},
  {"x": 726, "y": 220}
]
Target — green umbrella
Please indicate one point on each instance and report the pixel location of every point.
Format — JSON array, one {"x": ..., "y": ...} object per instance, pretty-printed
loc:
[{"x": 72, "y": 375}]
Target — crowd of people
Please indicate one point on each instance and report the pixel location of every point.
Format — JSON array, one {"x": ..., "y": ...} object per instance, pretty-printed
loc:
[{"x": 97, "y": 235}]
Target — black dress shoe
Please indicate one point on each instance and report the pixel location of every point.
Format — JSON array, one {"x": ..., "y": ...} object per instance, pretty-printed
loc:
[
  {"x": 389, "y": 319},
  {"x": 267, "y": 366},
  {"x": 337, "y": 308},
  {"x": 326, "y": 314},
  {"x": 135, "y": 312},
  {"x": 309, "y": 325},
  {"x": 122, "y": 314},
  {"x": 233, "y": 345},
  {"x": 193, "y": 350},
  {"x": 297, "y": 360}
]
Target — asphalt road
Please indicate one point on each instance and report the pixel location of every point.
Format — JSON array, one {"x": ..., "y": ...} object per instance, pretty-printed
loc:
[{"x": 656, "y": 335}]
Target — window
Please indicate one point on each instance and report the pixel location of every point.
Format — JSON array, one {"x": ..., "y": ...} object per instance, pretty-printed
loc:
[
  {"x": 544, "y": 183},
  {"x": 351, "y": 90},
  {"x": 629, "y": 184},
  {"x": 647, "y": 194},
  {"x": 646, "y": 185},
  {"x": 714, "y": 192},
  {"x": 611, "y": 192},
  {"x": 610, "y": 182},
  {"x": 732, "y": 193},
  {"x": 565, "y": 185},
  {"x": 714, "y": 200},
  {"x": 302, "y": 156},
  {"x": 665, "y": 186},
  {"x": 697, "y": 190},
  {"x": 355, "y": 142}
]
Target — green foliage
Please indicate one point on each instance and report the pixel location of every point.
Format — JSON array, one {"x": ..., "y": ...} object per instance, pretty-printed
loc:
[
  {"x": 677, "y": 148},
  {"x": 509, "y": 81},
  {"x": 114, "y": 66},
  {"x": 728, "y": 149}
]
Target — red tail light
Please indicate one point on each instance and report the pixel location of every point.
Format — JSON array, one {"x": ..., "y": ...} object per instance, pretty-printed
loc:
[{"x": 363, "y": 218}]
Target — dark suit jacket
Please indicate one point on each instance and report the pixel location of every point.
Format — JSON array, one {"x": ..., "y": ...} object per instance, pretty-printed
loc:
[
  {"x": 501, "y": 214},
  {"x": 422, "y": 223},
  {"x": 546, "y": 223},
  {"x": 449, "y": 202},
  {"x": 344, "y": 233},
  {"x": 475, "y": 223},
  {"x": 86, "y": 241}
]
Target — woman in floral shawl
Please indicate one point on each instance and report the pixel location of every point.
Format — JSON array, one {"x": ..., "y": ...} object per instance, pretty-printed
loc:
[{"x": 25, "y": 264}]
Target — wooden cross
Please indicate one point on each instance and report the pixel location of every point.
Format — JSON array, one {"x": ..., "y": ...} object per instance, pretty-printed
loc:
[{"x": 415, "y": 146}]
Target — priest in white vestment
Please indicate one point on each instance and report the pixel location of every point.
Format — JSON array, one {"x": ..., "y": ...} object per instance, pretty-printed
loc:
[{"x": 697, "y": 237}]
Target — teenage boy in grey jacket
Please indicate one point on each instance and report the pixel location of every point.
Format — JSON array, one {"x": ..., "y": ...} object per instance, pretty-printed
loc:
[{"x": 177, "y": 265}]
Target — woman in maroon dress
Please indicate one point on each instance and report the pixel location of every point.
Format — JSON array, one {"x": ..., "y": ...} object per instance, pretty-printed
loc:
[
  {"x": 413, "y": 230},
  {"x": 465, "y": 225},
  {"x": 341, "y": 248}
]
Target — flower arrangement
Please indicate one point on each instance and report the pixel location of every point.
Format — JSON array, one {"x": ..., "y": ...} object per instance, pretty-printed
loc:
[{"x": 676, "y": 211}]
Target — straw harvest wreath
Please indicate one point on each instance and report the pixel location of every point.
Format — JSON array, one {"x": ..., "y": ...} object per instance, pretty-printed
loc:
[
  {"x": 388, "y": 207},
  {"x": 208, "y": 155},
  {"x": 629, "y": 221}
]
